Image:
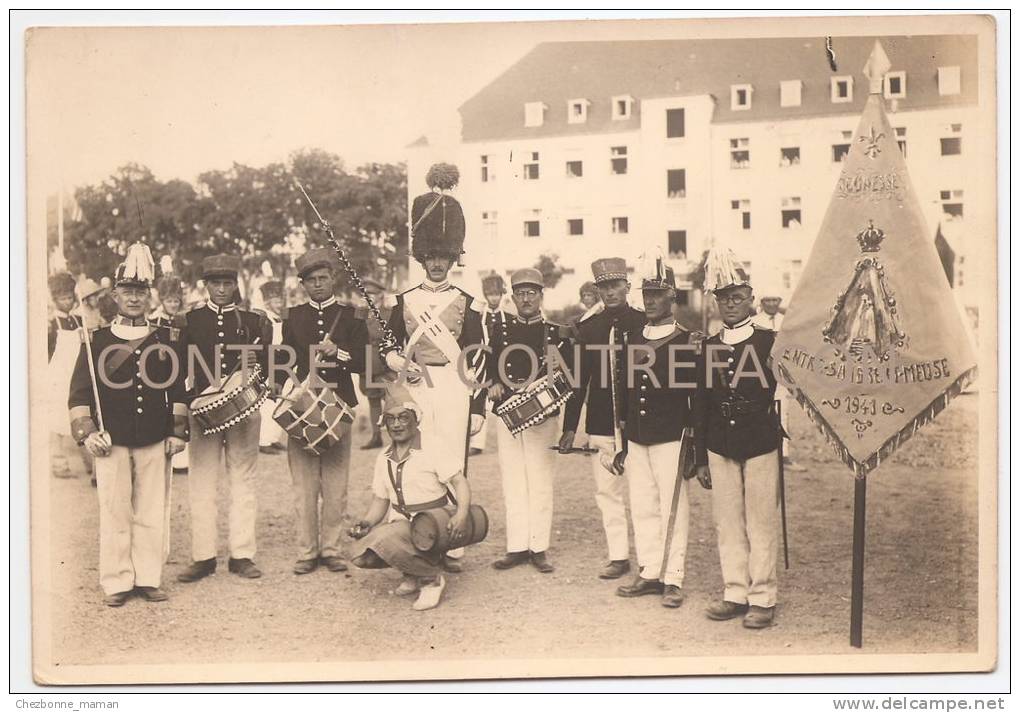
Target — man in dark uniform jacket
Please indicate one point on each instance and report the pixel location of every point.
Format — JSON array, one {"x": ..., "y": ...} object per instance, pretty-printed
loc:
[
  {"x": 209, "y": 329},
  {"x": 619, "y": 319},
  {"x": 496, "y": 318},
  {"x": 525, "y": 460},
  {"x": 656, "y": 394},
  {"x": 737, "y": 436},
  {"x": 132, "y": 432},
  {"x": 342, "y": 340}
]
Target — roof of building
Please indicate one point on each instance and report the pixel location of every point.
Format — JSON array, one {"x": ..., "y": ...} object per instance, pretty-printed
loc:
[{"x": 557, "y": 72}]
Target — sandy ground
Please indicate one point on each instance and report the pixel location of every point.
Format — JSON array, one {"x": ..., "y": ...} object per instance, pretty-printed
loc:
[{"x": 921, "y": 575}]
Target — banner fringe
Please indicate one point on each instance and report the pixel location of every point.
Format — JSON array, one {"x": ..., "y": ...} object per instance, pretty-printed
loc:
[{"x": 924, "y": 416}]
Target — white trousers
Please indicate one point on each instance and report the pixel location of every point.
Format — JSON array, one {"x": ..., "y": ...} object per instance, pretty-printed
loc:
[
  {"x": 610, "y": 496},
  {"x": 271, "y": 433},
  {"x": 526, "y": 463},
  {"x": 131, "y": 484},
  {"x": 322, "y": 478},
  {"x": 478, "y": 440},
  {"x": 236, "y": 449},
  {"x": 651, "y": 474},
  {"x": 745, "y": 507},
  {"x": 444, "y": 407}
]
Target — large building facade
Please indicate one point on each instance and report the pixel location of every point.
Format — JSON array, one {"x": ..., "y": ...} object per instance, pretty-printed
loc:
[{"x": 588, "y": 149}]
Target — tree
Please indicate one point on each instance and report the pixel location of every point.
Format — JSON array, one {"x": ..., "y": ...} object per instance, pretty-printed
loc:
[{"x": 551, "y": 271}]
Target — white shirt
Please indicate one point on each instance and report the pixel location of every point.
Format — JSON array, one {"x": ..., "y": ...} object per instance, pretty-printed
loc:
[{"x": 424, "y": 477}]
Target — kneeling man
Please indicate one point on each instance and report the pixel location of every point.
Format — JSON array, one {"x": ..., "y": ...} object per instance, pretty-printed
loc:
[{"x": 408, "y": 479}]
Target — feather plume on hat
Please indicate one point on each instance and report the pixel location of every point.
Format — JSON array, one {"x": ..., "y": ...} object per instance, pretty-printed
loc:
[
  {"x": 138, "y": 267},
  {"x": 722, "y": 270}
]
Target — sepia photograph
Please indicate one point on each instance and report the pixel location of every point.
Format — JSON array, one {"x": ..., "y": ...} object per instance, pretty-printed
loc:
[{"x": 478, "y": 350}]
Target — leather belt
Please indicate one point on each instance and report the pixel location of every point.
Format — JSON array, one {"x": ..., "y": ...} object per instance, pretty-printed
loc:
[{"x": 730, "y": 409}]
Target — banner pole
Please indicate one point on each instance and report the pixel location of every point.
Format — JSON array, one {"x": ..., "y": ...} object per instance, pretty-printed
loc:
[{"x": 857, "y": 584}]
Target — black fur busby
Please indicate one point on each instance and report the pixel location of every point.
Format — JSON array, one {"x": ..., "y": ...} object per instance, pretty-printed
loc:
[{"x": 437, "y": 220}]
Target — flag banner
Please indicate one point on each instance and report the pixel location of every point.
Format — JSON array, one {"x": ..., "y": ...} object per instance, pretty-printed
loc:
[{"x": 872, "y": 344}]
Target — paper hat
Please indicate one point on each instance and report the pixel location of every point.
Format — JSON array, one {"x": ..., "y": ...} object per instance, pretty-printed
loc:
[
  {"x": 723, "y": 270},
  {"x": 493, "y": 283},
  {"x": 315, "y": 259},
  {"x": 138, "y": 268},
  {"x": 398, "y": 398},
  {"x": 220, "y": 266},
  {"x": 437, "y": 219},
  {"x": 527, "y": 276},
  {"x": 609, "y": 268},
  {"x": 61, "y": 283}
]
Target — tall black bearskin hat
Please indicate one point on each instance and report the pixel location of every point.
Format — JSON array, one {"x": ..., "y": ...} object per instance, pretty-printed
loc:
[{"x": 437, "y": 220}]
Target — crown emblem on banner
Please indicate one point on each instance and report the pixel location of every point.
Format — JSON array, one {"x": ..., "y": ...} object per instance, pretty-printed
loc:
[{"x": 870, "y": 238}]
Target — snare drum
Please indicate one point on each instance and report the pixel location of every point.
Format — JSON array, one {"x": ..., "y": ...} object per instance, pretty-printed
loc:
[
  {"x": 313, "y": 417},
  {"x": 536, "y": 403},
  {"x": 241, "y": 395}
]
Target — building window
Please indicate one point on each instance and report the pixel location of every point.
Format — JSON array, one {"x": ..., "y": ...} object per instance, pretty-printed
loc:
[
  {"x": 577, "y": 111},
  {"x": 618, "y": 160},
  {"x": 952, "y": 204},
  {"x": 487, "y": 174},
  {"x": 677, "y": 242},
  {"x": 839, "y": 152},
  {"x": 790, "y": 213},
  {"x": 532, "y": 229},
  {"x": 621, "y": 226},
  {"x": 489, "y": 224},
  {"x": 740, "y": 153},
  {"x": 789, "y": 156},
  {"x": 895, "y": 85},
  {"x": 953, "y": 145},
  {"x": 740, "y": 97},
  {"x": 676, "y": 183},
  {"x": 575, "y": 169},
  {"x": 534, "y": 114},
  {"x": 531, "y": 168},
  {"x": 789, "y": 92},
  {"x": 841, "y": 90},
  {"x": 674, "y": 123},
  {"x": 622, "y": 107},
  {"x": 743, "y": 208},
  {"x": 575, "y": 226},
  {"x": 901, "y": 139},
  {"x": 949, "y": 81}
]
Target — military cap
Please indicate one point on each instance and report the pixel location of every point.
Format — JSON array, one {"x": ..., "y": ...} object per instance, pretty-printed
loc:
[
  {"x": 526, "y": 276},
  {"x": 220, "y": 266},
  {"x": 609, "y": 268},
  {"x": 314, "y": 259},
  {"x": 657, "y": 276}
]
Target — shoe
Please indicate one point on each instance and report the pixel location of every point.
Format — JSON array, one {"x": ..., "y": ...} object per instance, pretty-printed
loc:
[
  {"x": 306, "y": 566},
  {"x": 116, "y": 599},
  {"x": 672, "y": 596},
  {"x": 334, "y": 564},
  {"x": 792, "y": 466},
  {"x": 759, "y": 617},
  {"x": 615, "y": 569},
  {"x": 280, "y": 446},
  {"x": 376, "y": 442},
  {"x": 639, "y": 587},
  {"x": 540, "y": 563},
  {"x": 268, "y": 450},
  {"x": 430, "y": 594},
  {"x": 511, "y": 559},
  {"x": 408, "y": 585},
  {"x": 451, "y": 565},
  {"x": 198, "y": 570},
  {"x": 244, "y": 567},
  {"x": 152, "y": 594},
  {"x": 721, "y": 611},
  {"x": 369, "y": 560}
]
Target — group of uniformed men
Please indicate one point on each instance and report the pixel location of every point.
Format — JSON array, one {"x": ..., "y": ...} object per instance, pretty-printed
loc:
[{"x": 650, "y": 435}]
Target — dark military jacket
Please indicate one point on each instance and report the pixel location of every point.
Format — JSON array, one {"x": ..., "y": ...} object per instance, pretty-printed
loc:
[
  {"x": 657, "y": 406},
  {"x": 136, "y": 411},
  {"x": 539, "y": 336},
  {"x": 207, "y": 326},
  {"x": 595, "y": 331},
  {"x": 738, "y": 420},
  {"x": 311, "y": 323}
]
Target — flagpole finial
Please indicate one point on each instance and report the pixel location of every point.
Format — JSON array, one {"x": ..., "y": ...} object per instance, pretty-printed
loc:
[{"x": 876, "y": 67}]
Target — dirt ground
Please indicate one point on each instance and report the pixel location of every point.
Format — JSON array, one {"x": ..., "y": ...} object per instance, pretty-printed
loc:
[{"x": 921, "y": 575}]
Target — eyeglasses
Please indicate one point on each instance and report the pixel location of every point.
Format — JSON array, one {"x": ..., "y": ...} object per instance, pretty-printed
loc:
[
  {"x": 402, "y": 418},
  {"x": 731, "y": 299},
  {"x": 526, "y": 294}
]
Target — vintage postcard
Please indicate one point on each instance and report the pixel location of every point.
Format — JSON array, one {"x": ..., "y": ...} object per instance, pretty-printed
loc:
[{"x": 488, "y": 350}]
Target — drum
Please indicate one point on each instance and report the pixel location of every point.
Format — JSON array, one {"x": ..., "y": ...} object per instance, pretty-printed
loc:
[
  {"x": 429, "y": 534},
  {"x": 217, "y": 410},
  {"x": 536, "y": 403},
  {"x": 313, "y": 417}
]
